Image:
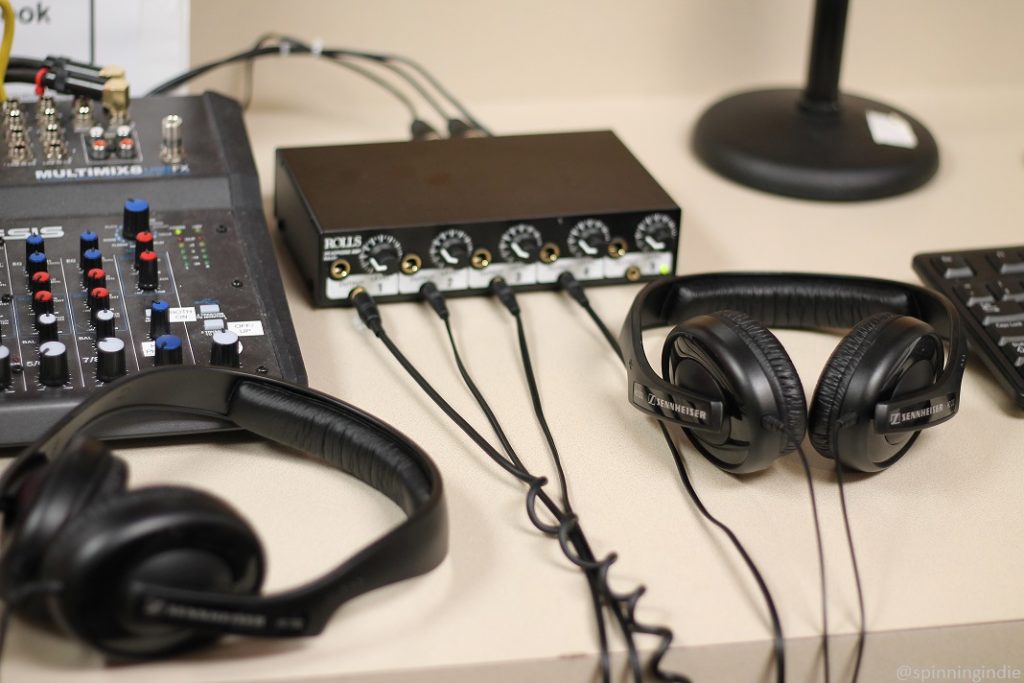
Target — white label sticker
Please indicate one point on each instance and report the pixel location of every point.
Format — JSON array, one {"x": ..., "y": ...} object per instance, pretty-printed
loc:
[
  {"x": 247, "y": 328},
  {"x": 148, "y": 349},
  {"x": 183, "y": 315},
  {"x": 376, "y": 285},
  {"x": 514, "y": 274},
  {"x": 889, "y": 128}
]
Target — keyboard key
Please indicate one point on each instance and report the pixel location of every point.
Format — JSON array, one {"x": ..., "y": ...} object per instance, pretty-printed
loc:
[
  {"x": 992, "y": 312},
  {"x": 952, "y": 266},
  {"x": 1008, "y": 290},
  {"x": 1007, "y": 333},
  {"x": 1007, "y": 262},
  {"x": 1015, "y": 352},
  {"x": 973, "y": 294}
]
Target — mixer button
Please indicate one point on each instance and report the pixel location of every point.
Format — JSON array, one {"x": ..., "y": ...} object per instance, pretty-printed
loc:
[
  {"x": 149, "y": 275},
  {"x": 159, "y": 318},
  {"x": 35, "y": 263},
  {"x": 110, "y": 359},
  {"x": 46, "y": 325},
  {"x": 225, "y": 351},
  {"x": 136, "y": 218},
  {"x": 53, "y": 364},
  {"x": 168, "y": 350}
]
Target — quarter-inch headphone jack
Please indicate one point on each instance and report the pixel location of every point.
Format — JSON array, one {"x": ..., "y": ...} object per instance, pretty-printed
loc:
[{"x": 367, "y": 309}]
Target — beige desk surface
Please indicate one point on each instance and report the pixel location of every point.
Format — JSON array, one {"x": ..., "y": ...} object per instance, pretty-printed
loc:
[{"x": 939, "y": 535}]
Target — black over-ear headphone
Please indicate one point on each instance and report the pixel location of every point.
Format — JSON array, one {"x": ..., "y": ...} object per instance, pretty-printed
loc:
[
  {"x": 727, "y": 380},
  {"x": 159, "y": 570}
]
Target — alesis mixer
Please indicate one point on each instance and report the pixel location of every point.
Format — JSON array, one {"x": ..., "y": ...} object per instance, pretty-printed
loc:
[{"x": 126, "y": 242}]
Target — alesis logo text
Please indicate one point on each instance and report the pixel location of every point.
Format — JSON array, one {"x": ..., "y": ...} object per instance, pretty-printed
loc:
[
  {"x": 22, "y": 233},
  {"x": 899, "y": 418}
]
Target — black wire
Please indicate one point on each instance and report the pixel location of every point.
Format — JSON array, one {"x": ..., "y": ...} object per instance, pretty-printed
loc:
[
  {"x": 538, "y": 410},
  {"x": 862, "y": 631},
  {"x": 602, "y": 632},
  {"x": 568, "y": 530},
  {"x": 821, "y": 563},
  {"x": 778, "y": 641},
  {"x": 296, "y": 48}
]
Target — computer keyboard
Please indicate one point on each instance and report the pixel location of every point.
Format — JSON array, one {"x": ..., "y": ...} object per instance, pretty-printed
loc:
[{"x": 987, "y": 287}]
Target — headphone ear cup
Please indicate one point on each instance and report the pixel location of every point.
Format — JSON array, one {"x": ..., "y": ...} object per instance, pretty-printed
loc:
[
  {"x": 754, "y": 376},
  {"x": 46, "y": 499},
  {"x": 167, "y": 536},
  {"x": 873, "y": 363}
]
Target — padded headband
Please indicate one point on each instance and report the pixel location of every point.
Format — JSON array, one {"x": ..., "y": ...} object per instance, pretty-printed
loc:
[
  {"x": 335, "y": 432},
  {"x": 787, "y": 300}
]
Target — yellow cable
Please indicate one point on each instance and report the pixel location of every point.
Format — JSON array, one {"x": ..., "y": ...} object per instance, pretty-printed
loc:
[{"x": 5, "y": 46}]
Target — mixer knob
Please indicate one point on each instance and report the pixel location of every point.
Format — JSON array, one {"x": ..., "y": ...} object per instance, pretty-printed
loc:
[
  {"x": 46, "y": 325},
  {"x": 34, "y": 244},
  {"x": 226, "y": 350},
  {"x": 92, "y": 258},
  {"x": 5, "y": 367},
  {"x": 159, "y": 318},
  {"x": 103, "y": 321},
  {"x": 149, "y": 276},
  {"x": 136, "y": 218},
  {"x": 53, "y": 364},
  {"x": 39, "y": 282},
  {"x": 86, "y": 241},
  {"x": 655, "y": 232},
  {"x": 110, "y": 359},
  {"x": 143, "y": 242},
  {"x": 35, "y": 263},
  {"x": 168, "y": 350},
  {"x": 42, "y": 302},
  {"x": 95, "y": 277}
]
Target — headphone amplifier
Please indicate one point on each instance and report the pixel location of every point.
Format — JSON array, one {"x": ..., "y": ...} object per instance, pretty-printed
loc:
[{"x": 389, "y": 217}]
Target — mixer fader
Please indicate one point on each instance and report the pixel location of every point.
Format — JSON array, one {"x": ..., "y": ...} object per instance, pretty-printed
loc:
[{"x": 110, "y": 264}]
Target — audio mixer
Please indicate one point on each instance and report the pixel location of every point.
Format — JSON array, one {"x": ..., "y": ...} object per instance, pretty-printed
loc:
[
  {"x": 128, "y": 242},
  {"x": 390, "y": 217}
]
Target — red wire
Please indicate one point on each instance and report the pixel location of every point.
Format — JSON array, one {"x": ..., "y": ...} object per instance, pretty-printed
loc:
[{"x": 40, "y": 75}]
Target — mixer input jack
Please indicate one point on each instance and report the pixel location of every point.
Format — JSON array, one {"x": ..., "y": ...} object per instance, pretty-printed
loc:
[
  {"x": 411, "y": 264},
  {"x": 550, "y": 252},
  {"x": 481, "y": 259},
  {"x": 633, "y": 273},
  {"x": 340, "y": 269},
  {"x": 618, "y": 247}
]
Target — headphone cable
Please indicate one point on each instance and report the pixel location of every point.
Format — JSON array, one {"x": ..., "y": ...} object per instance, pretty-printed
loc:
[
  {"x": 575, "y": 290},
  {"x": 16, "y": 598},
  {"x": 568, "y": 530},
  {"x": 862, "y": 630}
]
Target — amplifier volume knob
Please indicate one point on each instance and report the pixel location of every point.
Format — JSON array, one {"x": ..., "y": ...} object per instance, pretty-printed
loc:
[
  {"x": 110, "y": 359},
  {"x": 42, "y": 302},
  {"x": 589, "y": 239},
  {"x": 99, "y": 299},
  {"x": 46, "y": 325},
  {"x": 143, "y": 243},
  {"x": 95, "y": 277},
  {"x": 5, "y": 367},
  {"x": 35, "y": 263},
  {"x": 148, "y": 270},
  {"x": 53, "y": 364},
  {"x": 34, "y": 244},
  {"x": 168, "y": 349},
  {"x": 92, "y": 258},
  {"x": 655, "y": 233},
  {"x": 451, "y": 249},
  {"x": 39, "y": 281},
  {"x": 520, "y": 244},
  {"x": 159, "y": 318},
  {"x": 86, "y": 241},
  {"x": 381, "y": 255},
  {"x": 103, "y": 321},
  {"x": 226, "y": 350},
  {"x": 136, "y": 218}
]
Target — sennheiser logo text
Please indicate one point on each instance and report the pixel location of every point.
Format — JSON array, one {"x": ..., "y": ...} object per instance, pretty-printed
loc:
[
  {"x": 677, "y": 408},
  {"x": 912, "y": 415}
]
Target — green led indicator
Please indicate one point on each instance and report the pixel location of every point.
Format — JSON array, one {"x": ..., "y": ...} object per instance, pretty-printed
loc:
[{"x": 664, "y": 270}]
